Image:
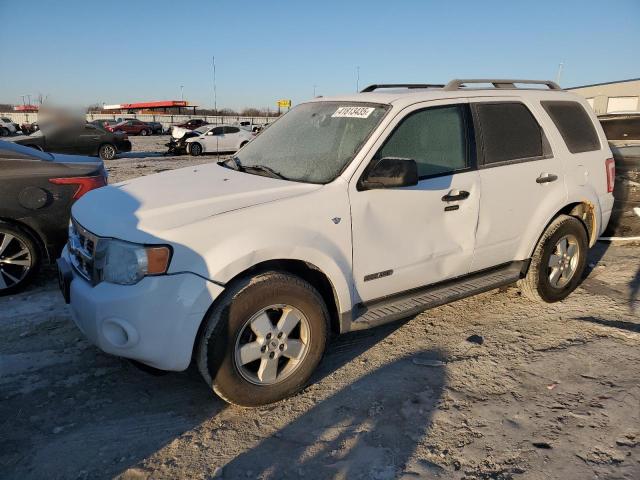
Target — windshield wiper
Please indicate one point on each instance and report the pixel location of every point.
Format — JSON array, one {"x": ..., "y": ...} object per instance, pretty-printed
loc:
[
  {"x": 268, "y": 170},
  {"x": 236, "y": 164}
]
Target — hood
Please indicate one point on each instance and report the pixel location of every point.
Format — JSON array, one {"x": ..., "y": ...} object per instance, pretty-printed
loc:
[{"x": 147, "y": 208}]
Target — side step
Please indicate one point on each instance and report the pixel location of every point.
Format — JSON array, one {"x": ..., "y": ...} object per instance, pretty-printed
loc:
[{"x": 413, "y": 302}]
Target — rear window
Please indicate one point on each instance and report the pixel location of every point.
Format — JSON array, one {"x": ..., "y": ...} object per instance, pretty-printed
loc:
[
  {"x": 508, "y": 132},
  {"x": 574, "y": 124},
  {"x": 625, "y": 128}
]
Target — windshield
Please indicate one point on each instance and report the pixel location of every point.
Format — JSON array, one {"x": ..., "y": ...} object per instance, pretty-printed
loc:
[
  {"x": 314, "y": 141},
  {"x": 5, "y": 119}
]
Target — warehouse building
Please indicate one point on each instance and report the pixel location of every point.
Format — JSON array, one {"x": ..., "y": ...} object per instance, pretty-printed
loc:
[{"x": 612, "y": 97}]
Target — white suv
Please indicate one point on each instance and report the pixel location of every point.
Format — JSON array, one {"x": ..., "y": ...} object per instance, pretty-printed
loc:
[{"x": 346, "y": 213}]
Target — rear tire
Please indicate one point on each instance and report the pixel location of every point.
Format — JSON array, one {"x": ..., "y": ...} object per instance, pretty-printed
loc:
[
  {"x": 107, "y": 151},
  {"x": 195, "y": 149},
  {"x": 263, "y": 339},
  {"x": 558, "y": 261},
  {"x": 19, "y": 258},
  {"x": 4, "y": 132},
  {"x": 143, "y": 133}
]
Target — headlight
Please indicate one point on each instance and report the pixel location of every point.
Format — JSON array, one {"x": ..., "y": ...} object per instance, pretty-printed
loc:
[{"x": 127, "y": 263}]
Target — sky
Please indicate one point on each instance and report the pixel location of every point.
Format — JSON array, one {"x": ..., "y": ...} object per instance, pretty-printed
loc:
[{"x": 78, "y": 53}]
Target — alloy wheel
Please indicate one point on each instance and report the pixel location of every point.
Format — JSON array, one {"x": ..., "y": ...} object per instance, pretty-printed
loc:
[
  {"x": 15, "y": 260},
  {"x": 564, "y": 260},
  {"x": 272, "y": 344}
]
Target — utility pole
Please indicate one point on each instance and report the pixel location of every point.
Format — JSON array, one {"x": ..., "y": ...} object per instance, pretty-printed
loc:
[
  {"x": 181, "y": 92},
  {"x": 357, "y": 79},
  {"x": 215, "y": 95},
  {"x": 314, "y": 90},
  {"x": 559, "y": 74}
]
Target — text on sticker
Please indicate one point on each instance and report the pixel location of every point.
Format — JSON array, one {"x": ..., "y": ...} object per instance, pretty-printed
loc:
[{"x": 353, "y": 112}]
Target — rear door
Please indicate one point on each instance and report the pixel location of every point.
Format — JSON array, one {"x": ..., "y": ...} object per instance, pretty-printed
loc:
[
  {"x": 231, "y": 139},
  {"x": 523, "y": 183},
  {"x": 405, "y": 238}
]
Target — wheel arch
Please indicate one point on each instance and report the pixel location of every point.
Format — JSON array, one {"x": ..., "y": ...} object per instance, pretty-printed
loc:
[
  {"x": 582, "y": 210},
  {"x": 39, "y": 238}
]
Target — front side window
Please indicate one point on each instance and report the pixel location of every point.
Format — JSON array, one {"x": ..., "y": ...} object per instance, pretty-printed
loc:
[
  {"x": 435, "y": 138},
  {"x": 508, "y": 131},
  {"x": 314, "y": 141},
  {"x": 216, "y": 131}
]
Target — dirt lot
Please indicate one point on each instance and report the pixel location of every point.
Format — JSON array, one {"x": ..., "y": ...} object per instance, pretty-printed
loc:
[{"x": 542, "y": 391}]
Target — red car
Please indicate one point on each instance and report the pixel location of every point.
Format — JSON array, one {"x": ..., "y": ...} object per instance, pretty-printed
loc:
[{"x": 130, "y": 127}]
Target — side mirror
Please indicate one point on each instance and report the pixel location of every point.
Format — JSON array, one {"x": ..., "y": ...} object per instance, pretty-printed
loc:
[{"x": 391, "y": 172}]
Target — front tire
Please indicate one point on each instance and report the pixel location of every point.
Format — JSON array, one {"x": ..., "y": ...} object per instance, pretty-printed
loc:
[
  {"x": 143, "y": 133},
  {"x": 195, "y": 149},
  {"x": 19, "y": 258},
  {"x": 558, "y": 261},
  {"x": 4, "y": 132},
  {"x": 107, "y": 152},
  {"x": 263, "y": 339}
]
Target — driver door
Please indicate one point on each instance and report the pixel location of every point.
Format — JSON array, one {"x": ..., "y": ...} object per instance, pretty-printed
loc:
[{"x": 409, "y": 237}]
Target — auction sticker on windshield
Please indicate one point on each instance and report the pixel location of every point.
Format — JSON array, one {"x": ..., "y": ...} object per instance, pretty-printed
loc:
[{"x": 353, "y": 112}]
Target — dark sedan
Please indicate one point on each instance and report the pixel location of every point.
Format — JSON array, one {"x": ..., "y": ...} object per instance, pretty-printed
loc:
[
  {"x": 37, "y": 192},
  {"x": 84, "y": 139}
]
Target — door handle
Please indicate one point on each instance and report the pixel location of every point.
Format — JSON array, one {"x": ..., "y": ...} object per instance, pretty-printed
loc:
[
  {"x": 454, "y": 195},
  {"x": 546, "y": 178}
]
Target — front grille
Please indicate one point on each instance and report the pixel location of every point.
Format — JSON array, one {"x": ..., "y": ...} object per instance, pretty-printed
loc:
[{"x": 82, "y": 249}]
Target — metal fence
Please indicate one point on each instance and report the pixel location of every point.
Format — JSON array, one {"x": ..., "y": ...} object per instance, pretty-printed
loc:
[{"x": 165, "y": 119}]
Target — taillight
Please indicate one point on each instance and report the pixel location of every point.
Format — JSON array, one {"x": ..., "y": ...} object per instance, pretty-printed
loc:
[
  {"x": 610, "y": 166},
  {"x": 85, "y": 184}
]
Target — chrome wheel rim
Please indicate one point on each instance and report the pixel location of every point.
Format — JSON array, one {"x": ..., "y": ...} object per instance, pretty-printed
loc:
[
  {"x": 563, "y": 261},
  {"x": 272, "y": 344},
  {"x": 15, "y": 260},
  {"x": 109, "y": 152}
]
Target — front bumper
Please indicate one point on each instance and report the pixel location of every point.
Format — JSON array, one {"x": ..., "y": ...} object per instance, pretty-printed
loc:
[{"x": 154, "y": 321}]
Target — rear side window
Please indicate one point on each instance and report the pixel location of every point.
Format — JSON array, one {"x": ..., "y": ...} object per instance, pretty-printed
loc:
[
  {"x": 574, "y": 124},
  {"x": 231, "y": 129},
  {"x": 508, "y": 131},
  {"x": 435, "y": 138}
]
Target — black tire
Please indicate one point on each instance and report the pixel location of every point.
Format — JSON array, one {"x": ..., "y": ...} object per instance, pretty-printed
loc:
[
  {"x": 144, "y": 133},
  {"x": 243, "y": 144},
  {"x": 4, "y": 132},
  {"x": 13, "y": 240},
  {"x": 228, "y": 320},
  {"x": 107, "y": 151},
  {"x": 537, "y": 285},
  {"x": 195, "y": 149}
]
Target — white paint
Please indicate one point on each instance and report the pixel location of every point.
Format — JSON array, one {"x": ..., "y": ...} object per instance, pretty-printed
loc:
[{"x": 221, "y": 222}]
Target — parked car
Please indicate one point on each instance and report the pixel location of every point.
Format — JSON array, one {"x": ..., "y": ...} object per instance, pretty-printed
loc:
[
  {"x": 131, "y": 127},
  {"x": 192, "y": 124},
  {"x": 156, "y": 127},
  {"x": 7, "y": 127},
  {"x": 344, "y": 214},
  {"x": 37, "y": 192},
  {"x": 84, "y": 139},
  {"x": 29, "y": 128},
  {"x": 220, "y": 138},
  {"x": 179, "y": 136},
  {"x": 103, "y": 123},
  {"x": 622, "y": 127}
]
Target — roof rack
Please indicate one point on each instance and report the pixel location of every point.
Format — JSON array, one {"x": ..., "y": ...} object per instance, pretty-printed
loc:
[
  {"x": 457, "y": 84},
  {"x": 373, "y": 87}
]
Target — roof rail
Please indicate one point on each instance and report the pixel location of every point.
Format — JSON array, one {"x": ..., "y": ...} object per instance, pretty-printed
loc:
[
  {"x": 373, "y": 87},
  {"x": 457, "y": 84}
]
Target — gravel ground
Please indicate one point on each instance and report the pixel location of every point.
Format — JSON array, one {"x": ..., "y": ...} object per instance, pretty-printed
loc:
[{"x": 491, "y": 387}]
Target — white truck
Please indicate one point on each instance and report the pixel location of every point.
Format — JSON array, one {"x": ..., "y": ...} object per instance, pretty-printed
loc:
[{"x": 346, "y": 213}]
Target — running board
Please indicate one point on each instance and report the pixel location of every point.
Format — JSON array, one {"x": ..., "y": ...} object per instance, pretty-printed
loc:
[{"x": 413, "y": 302}]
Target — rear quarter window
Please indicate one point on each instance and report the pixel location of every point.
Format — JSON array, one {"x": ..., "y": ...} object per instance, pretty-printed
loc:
[
  {"x": 574, "y": 124},
  {"x": 508, "y": 132}
]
